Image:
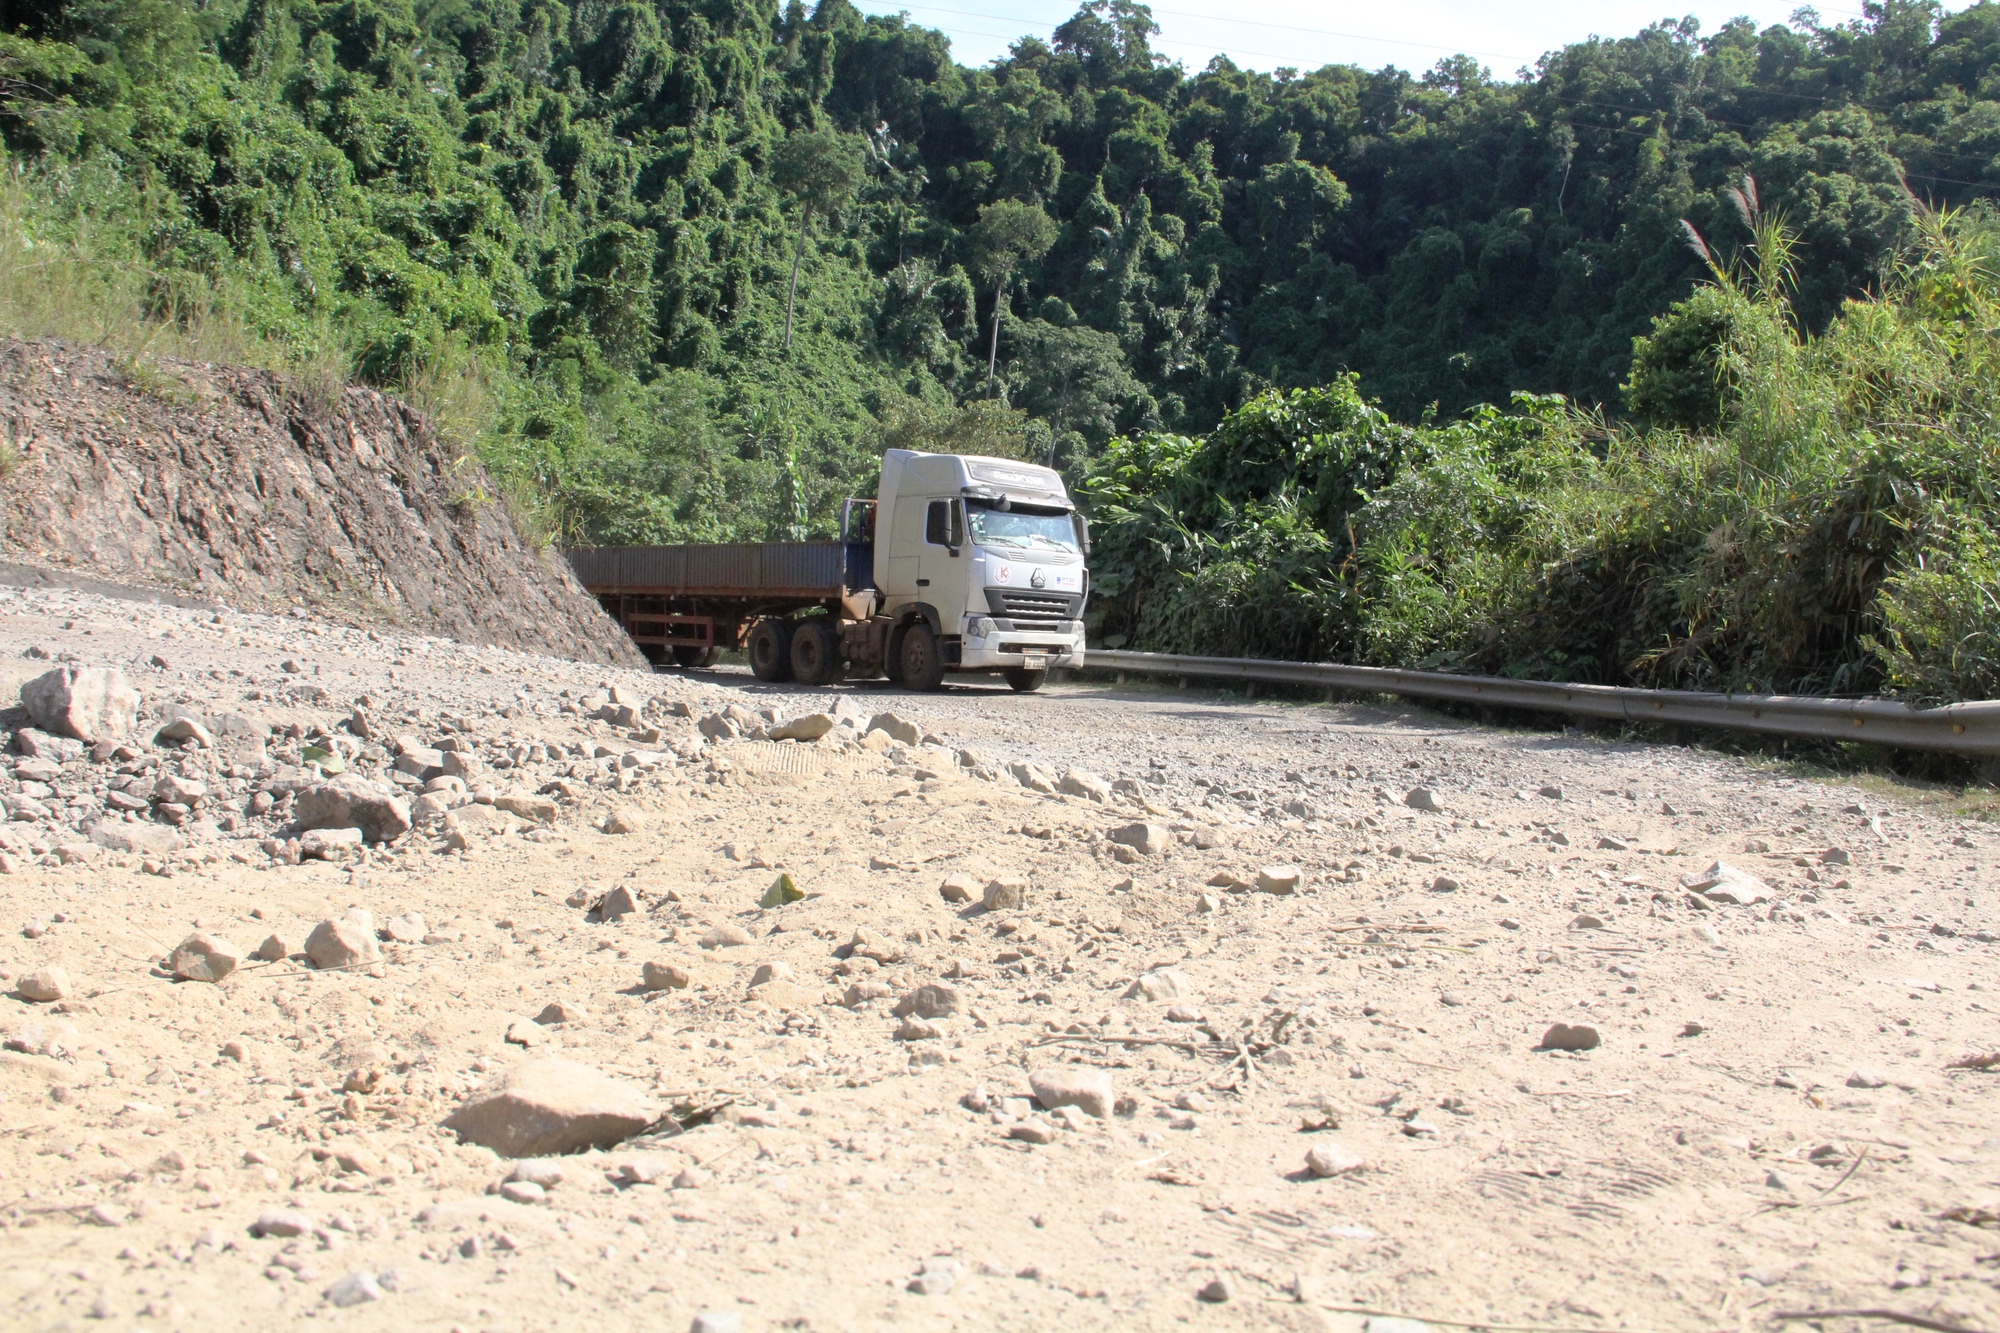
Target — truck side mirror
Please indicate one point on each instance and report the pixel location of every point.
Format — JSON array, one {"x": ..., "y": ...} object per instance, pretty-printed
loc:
[{"x": 1082, "y": 532}]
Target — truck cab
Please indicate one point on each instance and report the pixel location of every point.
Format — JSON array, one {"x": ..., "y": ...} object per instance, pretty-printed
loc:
[{"x": 981, "y": 563}]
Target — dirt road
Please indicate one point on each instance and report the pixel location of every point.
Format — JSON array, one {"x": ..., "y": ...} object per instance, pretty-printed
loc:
[{"x": 1335, "y": 928}]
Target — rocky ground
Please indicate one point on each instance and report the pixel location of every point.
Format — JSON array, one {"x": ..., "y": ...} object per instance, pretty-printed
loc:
[{"x": 1096, "y": 1008}]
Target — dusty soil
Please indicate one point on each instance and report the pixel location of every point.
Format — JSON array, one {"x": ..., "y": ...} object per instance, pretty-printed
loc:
[
  {"x": 222, "y": 485},
  {"x": 1768, "y": 1125}
]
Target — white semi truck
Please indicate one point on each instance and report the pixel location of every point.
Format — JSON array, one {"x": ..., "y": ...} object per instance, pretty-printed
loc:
[{"x": 959, "y": 564}]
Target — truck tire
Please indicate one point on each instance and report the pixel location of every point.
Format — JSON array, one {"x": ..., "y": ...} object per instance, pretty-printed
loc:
[
  {"x": 919, "y": 658},
  {"x": 1023, "y": 681},
  {"x": 771, "y": 649},
  {"x": 816, "y": 652},
  {"x": 692, "y": 657}
]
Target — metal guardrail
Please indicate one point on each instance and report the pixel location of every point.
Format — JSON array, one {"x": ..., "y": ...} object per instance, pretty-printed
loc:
[{"x": 1968, "y": 728}]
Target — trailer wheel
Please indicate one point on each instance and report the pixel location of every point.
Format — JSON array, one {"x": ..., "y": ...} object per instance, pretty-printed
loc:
[
  {"x": 692, "y": 656},
  {"x": 815, "y": 652},
  {"x": 1023, "y": 681},
  {"x": 771, "y": 650},
  {"x": 921, "y": 662}
]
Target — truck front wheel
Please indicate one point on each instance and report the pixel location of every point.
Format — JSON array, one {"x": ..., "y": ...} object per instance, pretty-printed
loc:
[
  {"x": 771, "y": 650},
  {"x": 815, "y": 652},
  {"x": 1024, "y": 681},
  {"x": 921, "y": 661}
]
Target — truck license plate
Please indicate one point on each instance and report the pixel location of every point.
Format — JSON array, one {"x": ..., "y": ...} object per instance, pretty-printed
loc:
[{"x": 1034, "y": 661}]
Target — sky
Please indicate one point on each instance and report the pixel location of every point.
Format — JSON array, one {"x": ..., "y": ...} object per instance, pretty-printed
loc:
[{"x": 1504, "y": 35}]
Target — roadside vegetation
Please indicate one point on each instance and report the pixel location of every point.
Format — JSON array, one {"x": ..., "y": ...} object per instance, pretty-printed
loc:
[{"x": 1402, "y": 368}]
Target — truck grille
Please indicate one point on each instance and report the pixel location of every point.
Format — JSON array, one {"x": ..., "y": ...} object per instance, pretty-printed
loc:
[{"x": 1030, "y": 609}]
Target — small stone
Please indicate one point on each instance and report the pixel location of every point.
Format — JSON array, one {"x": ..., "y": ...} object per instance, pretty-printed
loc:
[
  {"x": 1005, "y": 894},
  {"x": 405, "y": 928},
  {"x": 1217, "y": 1291},
  {"x": 356, "y": 1288},
  {"x": 621, "y": 821},
  {"x": 1074, "y": 1085},
  {"x": 107, "y": 1215},
  {"x": 728, "y": 935},
  {"x": 204, "y": 957},
  {"x": 957, "y": 888},
  {"x": 937, "y": 1276},
  {"x": 1867, "y": 1078},
  {"x": 523, "y": 1191},
  {"x": 1692, "y": 1029},
  {"x": 1334, "y": 1159},
  {"x": 617, "y": 903},
  {"x": 526, "y": 805},
  {"x": 1279, "y": 879},
  {"x": 44, "y": 985},
  {"x": 863, "y": 992},
  {"x": 1554, "y": 793},
  {"x": 895, "y": 728},
  {"x": 1587, "y": 922},
  {"x": 1565, "y": 1037},
  {"x": 282, "y": 1223},
  {"x": 234, "y": 1050},
  {"x": 1032, "y": 1131},
  {"x": 1723, "y": 882},
  {"x": 275, "y": 948},
  {"x": 692, "y": 1178},
  {"x": 717, "y": 1321},
  {"x": 916, "y": 1029},
  {"x": 1422, "y": 798},
  {"x": 810, "y": 727},
  {"x": 1776, "y": 1180},
  {"x": 1450, "y": 999},
  {"x": 1078, "y": 782},
  {"x": 350, "y": 801},
  {"x": 664, "y": 976},
  {"x": 559, "y": 1011},
  {"x": 1181, "y": 1013},
  {"x": 931, "y": 1000},
  {"x": 769, "y": 972},
  {"x": 1160, "y": 984},
  {"x": 1205, "y": 903},
  {"x": 344, "y": 942},
  {"x": 548, "y": 1107},
  {"x": 976, "y": 1101},
  {"x": 1146, "y": 839}
]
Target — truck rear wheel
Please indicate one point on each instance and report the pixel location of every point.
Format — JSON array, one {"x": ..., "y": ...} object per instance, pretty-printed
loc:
[
  {"x": 921, "y": 662},
  {"x": 693, "y": 656},
  {"x": 815, "y": 652},
  {"x": 1023, "y": 681},
  {"x": 771, "y": 650}
]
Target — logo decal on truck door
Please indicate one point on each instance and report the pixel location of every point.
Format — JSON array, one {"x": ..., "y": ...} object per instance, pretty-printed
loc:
[{"x": 1003, "y": 574}]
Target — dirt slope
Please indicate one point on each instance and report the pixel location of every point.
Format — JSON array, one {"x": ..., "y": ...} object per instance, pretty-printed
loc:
[{"x": 215, "y": 482}]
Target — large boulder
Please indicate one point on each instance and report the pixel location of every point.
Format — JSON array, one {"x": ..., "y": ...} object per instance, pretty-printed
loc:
[
  {"x": 204, "y": 957},
  {"x": 89, "y": 704},
  {"x": 353, "y": 802},
  {"x": 548, "y": 1107}
]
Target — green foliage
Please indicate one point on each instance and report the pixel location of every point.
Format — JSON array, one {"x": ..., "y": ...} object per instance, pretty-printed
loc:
[
  {"x": 1832, "y": 534},
  {"x": 1217, "y": 294}
]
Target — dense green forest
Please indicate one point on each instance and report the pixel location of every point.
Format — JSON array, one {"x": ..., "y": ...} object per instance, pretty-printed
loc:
[{"x": 677, "y": 269}]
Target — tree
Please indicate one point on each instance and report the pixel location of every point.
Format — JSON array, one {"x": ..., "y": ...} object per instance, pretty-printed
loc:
[
  {"x": 819, "y": 170},
  {"x": 1008, "y": 234}
]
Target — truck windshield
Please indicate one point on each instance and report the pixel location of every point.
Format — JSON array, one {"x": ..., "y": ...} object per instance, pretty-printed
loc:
[{"x": 1020, "y": 529}]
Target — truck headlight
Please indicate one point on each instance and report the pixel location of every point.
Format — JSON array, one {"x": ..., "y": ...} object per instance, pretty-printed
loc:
[{"x": 979, "y": 627}]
